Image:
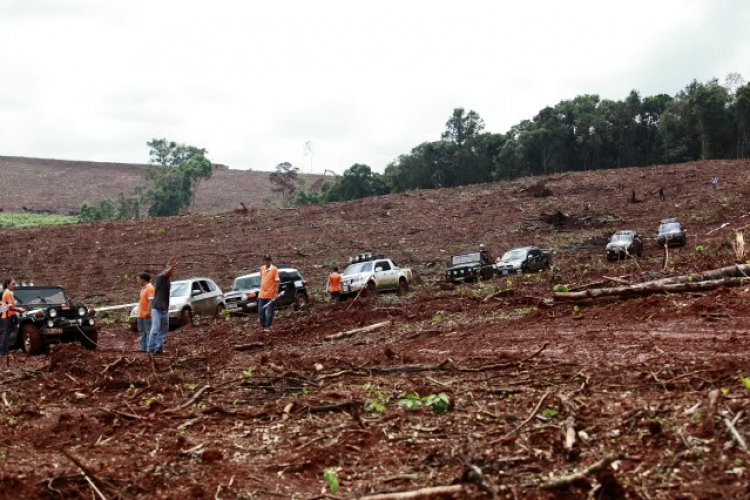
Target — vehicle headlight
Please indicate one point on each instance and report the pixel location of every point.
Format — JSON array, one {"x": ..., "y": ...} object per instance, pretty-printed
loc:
[
  {"x": 82, "y": 311},
  {"x": 174, "y": 307},
  {"x": 91, "y": 321},
  {"x": 50, "y": 323},
  {"x": 53, "y": 313}
]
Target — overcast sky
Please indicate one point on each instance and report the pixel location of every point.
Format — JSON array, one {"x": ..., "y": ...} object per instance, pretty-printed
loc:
[{"x": 253, "y": 81}]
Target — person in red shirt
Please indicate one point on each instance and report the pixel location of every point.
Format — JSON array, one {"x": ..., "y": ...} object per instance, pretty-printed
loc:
[
  {"x": 9, "y": 315},
  {"x": 144, "y": 309},
  {"x": 269, "y": 290},
  {"x": 334, "y": 284}
]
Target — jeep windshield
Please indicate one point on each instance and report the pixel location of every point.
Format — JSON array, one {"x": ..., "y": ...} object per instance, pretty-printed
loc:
[
  {"x": 515, "y": 254},
  {"x": 40, "y": 296},
  {"x": 621, "y": 238},
  {"x": 179, "y": 289},
  {"x": 670, "y": 227},
  {"x": 467, "y": 258},
  {"x": 246, "y": 283},
  {"x": 362, "y": 267}
]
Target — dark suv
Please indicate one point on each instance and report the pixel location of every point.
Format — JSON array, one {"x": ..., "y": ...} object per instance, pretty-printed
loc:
[
  {"x": 470, "y": 266},
  {"x": 244, "y": 295},
  {"x": 49, "y": 318},
  {"x": 671, "y": 233}
]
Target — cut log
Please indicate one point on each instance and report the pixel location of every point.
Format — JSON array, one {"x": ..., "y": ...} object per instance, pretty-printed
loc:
[
  {"x": 508, "y": 292},
  {"x": 649, "y": 288},
  {"x": 422, "y": 493},
  {"x": 351, "y": 333}
]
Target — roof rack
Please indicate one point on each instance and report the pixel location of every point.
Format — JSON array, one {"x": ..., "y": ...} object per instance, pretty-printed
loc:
[{"x": 365, "y": 257}]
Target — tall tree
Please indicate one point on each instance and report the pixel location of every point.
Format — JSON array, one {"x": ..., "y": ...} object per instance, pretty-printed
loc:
[
  {"x": 461, "y": 127},
  {"x": 284, "y": 180}
]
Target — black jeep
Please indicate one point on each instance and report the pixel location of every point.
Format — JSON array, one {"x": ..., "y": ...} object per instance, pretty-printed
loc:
[
  {"x": 49, "y": 318},
  {"x": 244, "y": 295},
  {"x": 470, "y": 266}
]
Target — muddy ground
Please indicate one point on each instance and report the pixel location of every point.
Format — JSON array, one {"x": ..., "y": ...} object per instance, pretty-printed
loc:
[{"x": 536, "y": 390}]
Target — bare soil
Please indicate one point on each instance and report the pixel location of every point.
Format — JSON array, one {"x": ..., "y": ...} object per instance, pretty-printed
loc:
[{"x": 651, "y": 381}]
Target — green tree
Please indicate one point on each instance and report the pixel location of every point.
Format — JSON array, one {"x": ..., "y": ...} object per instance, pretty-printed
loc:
[
  {"x": 284, "y": 180},
  {"x": 358, "y": 181}
]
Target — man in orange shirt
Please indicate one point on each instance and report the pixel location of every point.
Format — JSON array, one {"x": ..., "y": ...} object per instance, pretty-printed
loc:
[
  {"x": 144, "y": 309},
  {"x": 334, "y": 284},
  {"x": 9, "y": 316},
  {"x": 269, "y": 290}
]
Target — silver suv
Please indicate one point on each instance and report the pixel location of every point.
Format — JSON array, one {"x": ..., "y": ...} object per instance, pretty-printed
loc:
[{"x": 189, "y": 297}]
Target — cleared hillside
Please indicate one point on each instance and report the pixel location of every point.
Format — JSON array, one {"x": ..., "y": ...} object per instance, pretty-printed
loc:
[
  {"x": 61, "y": 186},
  {"x": 537, "y": 389}
]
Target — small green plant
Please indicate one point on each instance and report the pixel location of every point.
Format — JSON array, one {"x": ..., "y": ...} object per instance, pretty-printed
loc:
[
  {"x": 745, "y": 382},
  {"x": 437, "y": 319},
  {"x": 410, "y": 401},
  {"x": 161, "y": 229},
  {"x": 576, "y": 308},
  {"x": 147, "y": 402},
  {"x": 224, "y": 313},
  {"x": 690, "y": 278},
  {"x": 191, "y": 386},
  {"x": 724, "y": 391},
  {"x": 438, "y": 402},
  {"x": 549, "y": 413},
  {"x": 561, "y": 288},
  {"x": 696, "y": 417},
  {"x": 700, "y": 248},
  {"x": 248, "y": 372},
  {"x": 333, "y": 480},
  {"x": 376, "y": 399}
]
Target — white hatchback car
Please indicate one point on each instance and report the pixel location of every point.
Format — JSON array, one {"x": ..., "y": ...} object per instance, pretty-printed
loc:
[{"x": 189, "y": 297}]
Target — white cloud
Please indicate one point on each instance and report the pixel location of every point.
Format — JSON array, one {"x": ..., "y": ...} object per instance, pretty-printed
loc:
[{"x": 253, "y": 81}]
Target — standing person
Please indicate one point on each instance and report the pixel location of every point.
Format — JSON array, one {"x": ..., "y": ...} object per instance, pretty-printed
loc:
[
  {"x": 160, "y": 309},
  {"x": 9, "y": 315},
  {"x": 269, "y": 290},
  {"x": 144, "y": 309},
  {"x": 334, "y": 284}
]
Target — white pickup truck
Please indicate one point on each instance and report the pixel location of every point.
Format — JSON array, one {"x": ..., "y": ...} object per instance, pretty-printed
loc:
[{"x": 374, "y": 273}]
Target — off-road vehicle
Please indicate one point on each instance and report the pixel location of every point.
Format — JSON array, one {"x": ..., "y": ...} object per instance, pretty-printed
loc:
[
  {"x": 370, "y": 274},
  {"x": 671, "y": 233},
  {"x": 624, "y": 244},
  {"x": 188, "y": 298},
  {"x": 470, "y": 266},
  {"x": 244, "y": 295},
  {"x": 50, "y": 318},
  {"x": 524, "y": 260}
]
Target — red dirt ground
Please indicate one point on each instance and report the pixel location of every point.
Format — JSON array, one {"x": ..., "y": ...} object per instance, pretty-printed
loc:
[{"x": 648, "y": 380}]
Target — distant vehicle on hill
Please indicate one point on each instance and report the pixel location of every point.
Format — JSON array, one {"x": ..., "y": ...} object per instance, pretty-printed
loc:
[
  {"x": 524, "y": 260},
  {"x": 624, "y": 244},
  {"x": 671, "y": 233},
  {"x": 370, "y": 273},
  {"x": 470, "y": 266}
]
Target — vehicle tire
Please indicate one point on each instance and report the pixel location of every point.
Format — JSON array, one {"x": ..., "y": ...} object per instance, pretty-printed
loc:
[
  {"x": 134, "y": 327},
  {"x": 186, "y": 317},
  {"x": 403, "y": 287},
  {"x": 90, "y": 340},
  {"x": 31, "y": 339},
  {"x": 301, "y": 302},
  {"x": 370, "y": 289},
  {"x": 220, "y": 309}
]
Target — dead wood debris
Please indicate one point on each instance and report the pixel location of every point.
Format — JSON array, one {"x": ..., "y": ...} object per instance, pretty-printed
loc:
[
  {"x": 565, "y": 481},
  {"x": 421, "y": 493}
]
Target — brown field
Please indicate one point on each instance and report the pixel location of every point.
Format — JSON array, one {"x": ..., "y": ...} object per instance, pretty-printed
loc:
[
  {"x": 538, "y": 390},
  {"x": 60, "y": 186}
]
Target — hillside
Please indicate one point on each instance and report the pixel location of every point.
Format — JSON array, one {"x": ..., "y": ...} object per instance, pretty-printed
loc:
[
  {"x": 61, "y": 186},
  {"x": 537, "y": 389}
]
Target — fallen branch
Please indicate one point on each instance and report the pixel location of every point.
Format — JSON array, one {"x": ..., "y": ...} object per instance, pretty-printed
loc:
[
  {"x": 417, "y": 494},
  {"x": 651, "y": 287},
  {"x": 733, "y": 431},
  {"x": 248, "y": 347},
  {"x": 522, "y": 424},
  {"x": 116, "y": 363},
  {"x": 565, "y": 481},
  {"x": 508, "y": 292},
  {"x": 349, "y": 405},
  {"x": 351, "y": 333},
  {"x": 203, "y": 390}
]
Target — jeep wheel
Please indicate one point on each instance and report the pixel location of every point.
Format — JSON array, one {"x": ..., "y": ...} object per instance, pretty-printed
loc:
[
  {"x": 301, "y": 302},
  {"x": 90, "y": 340},
  {"x": 220, "y": 309},
  {"x": 31, "y": 339},
  {"x": 369, "y": 289},
  {"x": 186, "y": 317},
  {"x": 403, "y": 287},
  {"x": 134, "y": 327}
]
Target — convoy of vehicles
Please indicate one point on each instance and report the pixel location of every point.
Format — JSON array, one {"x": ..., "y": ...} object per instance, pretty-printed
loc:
[
  {"x": 368, "y": 274},
  {"x": 49, "y": 317}
]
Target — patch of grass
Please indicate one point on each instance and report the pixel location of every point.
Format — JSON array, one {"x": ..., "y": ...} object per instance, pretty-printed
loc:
[{"x": 10, "y": 219}]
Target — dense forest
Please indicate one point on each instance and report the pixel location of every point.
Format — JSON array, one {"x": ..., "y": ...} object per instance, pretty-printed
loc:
[{"x": 704, "y": 121}]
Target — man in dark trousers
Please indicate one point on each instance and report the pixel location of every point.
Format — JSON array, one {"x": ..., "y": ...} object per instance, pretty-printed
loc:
[
  {"x": 269, "y": 291},
  {"x": 160, "y": 309}
]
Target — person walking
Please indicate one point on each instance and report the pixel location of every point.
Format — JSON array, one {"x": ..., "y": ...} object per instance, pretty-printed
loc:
[
  {"x": 334, "y": 284},
  {"x": 160, "y": 308},
  {"x": 144, "y": 309},
  {"x": 9, "y": 316},
  {"x": 269, "y": 290}
]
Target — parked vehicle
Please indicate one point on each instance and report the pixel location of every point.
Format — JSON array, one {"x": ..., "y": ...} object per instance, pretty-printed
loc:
[
  {"x": 244, "y": 295},
  {"x": 524, "y": 260},
  {"x": 470, "y": 266},
  {"x": 49, "y": 317},
  {"x": 374, "y": 273},
  {"x": 623, "y": 244},
  {"x": 187, "y": 298},
  {"x": 671, "y": 233}
]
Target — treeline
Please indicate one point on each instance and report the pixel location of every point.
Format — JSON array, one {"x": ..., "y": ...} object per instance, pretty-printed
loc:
[
  {"x": 704, "y": 121},
  {"x": 170, "y": 183}
]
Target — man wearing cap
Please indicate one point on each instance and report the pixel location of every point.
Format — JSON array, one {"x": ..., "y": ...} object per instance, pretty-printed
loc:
[
  {"x": 144, "y": 309},
  {"x": 269, "y": 290}
]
